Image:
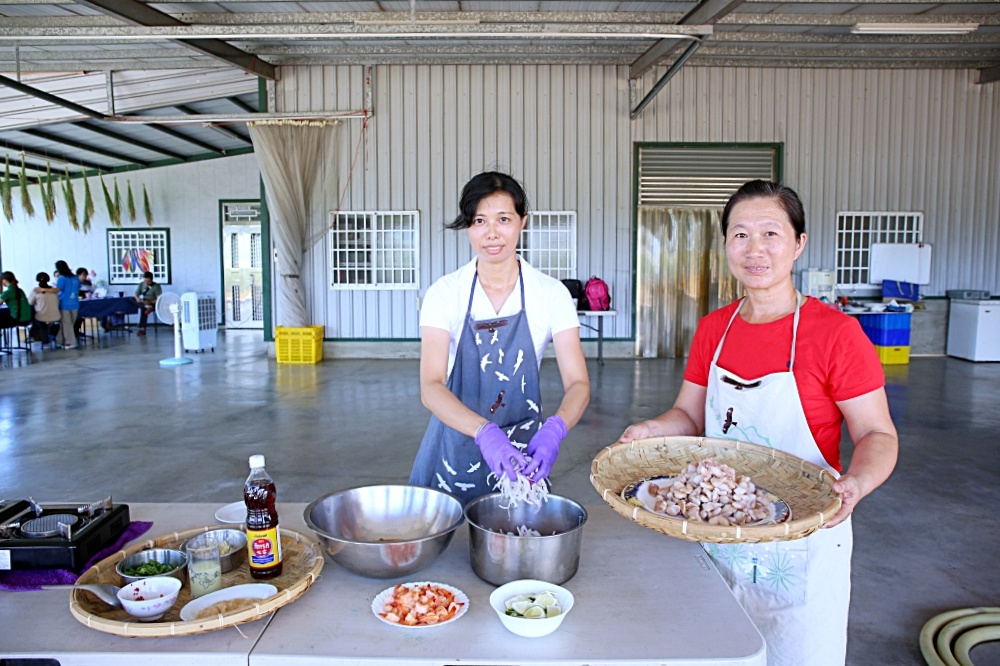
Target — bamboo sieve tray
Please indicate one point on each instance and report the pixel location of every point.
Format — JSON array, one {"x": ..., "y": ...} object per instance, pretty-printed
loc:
[
  {"x": 302, "y": 561},
  {"x": 806, "y": 488}
]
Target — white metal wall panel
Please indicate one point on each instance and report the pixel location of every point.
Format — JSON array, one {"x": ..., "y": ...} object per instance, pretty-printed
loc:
[
  {"x": 563, "y": 131},
  {"x": 885, "y": 140}
]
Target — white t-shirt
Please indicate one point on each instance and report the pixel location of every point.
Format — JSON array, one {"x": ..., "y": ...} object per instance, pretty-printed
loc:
[{"x": 547, "y": 302}]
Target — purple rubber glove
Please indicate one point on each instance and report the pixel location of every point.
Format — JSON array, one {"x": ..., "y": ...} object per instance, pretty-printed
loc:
[
  {"x": 543, "y": 449},
  {"x": 500, "y": 455}
]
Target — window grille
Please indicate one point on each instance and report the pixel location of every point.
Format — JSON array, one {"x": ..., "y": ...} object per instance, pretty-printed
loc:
[
  {"x": 258, "y": 302},
  {"x": 548, "y": 242},
  {"x": 234, "y": 251},
  {"x": 245, "y": 212},
  {"x": 858, "y": 231},
  {"x": 255, "y": 252},
  {"x": 374, "y": 250},
  {"x": 235, "y": 301},
  {"x": 133, "y": 252}
]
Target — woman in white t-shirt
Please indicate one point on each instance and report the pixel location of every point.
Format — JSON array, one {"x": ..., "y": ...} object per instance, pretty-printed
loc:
[{"x": 483, "y": 330}]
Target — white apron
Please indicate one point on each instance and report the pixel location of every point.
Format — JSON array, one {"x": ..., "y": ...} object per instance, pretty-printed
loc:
[{"x": 796, "y": 592}]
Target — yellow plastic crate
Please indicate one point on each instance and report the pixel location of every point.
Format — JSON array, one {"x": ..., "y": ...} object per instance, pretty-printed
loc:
[
  {"x": 299, "y": 345},
  {"x": 893, "y": 355}
]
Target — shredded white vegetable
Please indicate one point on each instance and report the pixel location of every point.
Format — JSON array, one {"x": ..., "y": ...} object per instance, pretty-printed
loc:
[
  {"x": 523, "y": 490},
  {"x": 522, "y": 531}
]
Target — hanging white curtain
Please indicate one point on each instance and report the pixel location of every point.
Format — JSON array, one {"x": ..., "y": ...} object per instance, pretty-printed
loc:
[
  {"x": 298, "y": 163},
  {"x": 682, "y": 276}
]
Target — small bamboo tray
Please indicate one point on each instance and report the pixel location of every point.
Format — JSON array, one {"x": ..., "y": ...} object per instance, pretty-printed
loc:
[
  {"x": 806, "y": 488},
  {"x": 302, "y": 561}
]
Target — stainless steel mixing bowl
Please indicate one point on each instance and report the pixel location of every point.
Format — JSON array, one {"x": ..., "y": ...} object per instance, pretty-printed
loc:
[
  {"x": 385, "y": 531},
  {"x": 499, "y": 557}
]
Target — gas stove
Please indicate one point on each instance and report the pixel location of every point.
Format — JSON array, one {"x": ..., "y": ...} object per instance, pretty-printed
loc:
[{"x": 57, "y": 536}]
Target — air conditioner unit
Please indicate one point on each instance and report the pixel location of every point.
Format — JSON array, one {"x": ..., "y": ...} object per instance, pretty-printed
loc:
[{"x": 199, "y": 321}]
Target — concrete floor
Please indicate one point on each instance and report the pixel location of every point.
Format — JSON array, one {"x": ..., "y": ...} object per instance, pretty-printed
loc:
[{"x": 106, "y": 419}]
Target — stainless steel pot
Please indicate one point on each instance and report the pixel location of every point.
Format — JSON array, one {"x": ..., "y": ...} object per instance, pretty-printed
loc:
[{"x": 499, "y": 557}]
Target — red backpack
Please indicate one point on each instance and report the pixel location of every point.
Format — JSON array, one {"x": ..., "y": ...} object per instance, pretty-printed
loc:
[{"x": 597, "y": 294}]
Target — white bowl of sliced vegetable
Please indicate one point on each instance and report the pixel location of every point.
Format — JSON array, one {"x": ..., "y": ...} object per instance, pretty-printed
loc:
[{"x": 531, "y": 608}]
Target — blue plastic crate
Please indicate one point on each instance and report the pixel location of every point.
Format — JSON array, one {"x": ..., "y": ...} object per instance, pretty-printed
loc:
[
  {"x": 883, "y": 321},
  {"x": 888, "y": 337}
]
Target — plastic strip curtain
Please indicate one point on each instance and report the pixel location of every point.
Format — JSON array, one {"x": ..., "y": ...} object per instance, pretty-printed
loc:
[
  {"x": 299, "y": 165},
  {"x": 682, "y": 276}
]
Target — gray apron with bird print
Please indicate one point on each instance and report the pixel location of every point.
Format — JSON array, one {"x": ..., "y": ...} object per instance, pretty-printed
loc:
[{"x": 495, "y": 374}]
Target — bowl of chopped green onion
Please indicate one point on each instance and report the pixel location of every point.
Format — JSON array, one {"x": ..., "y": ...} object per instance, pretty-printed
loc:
[{"x": 151, "y": 563}]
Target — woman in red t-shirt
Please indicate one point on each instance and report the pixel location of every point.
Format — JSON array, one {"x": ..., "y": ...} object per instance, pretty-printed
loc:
[{"x": 778, "y": 369}]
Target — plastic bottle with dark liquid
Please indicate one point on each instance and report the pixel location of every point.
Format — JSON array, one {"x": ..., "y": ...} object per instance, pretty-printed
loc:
[{"x": 263, "y": 537}]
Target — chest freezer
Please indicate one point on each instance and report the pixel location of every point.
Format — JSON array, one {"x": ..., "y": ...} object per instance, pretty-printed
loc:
[{"x": 974, "y": 330}]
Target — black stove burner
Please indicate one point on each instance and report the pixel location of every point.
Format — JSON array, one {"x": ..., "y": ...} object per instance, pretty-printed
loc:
[
  {"x": 64, "y": 536},
  {"x": 50, "y": 525}
]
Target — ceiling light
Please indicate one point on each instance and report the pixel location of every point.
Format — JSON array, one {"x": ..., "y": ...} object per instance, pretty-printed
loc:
[{"x": 913, "y": 28}]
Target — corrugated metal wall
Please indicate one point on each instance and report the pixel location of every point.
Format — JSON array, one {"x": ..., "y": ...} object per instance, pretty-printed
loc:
[
  {"x": 925, "y": 140},
  {"x": 562, "y": 131}
]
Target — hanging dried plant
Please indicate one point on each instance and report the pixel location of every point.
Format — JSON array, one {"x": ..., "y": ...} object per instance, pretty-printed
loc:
[
  {"x": 69, "y": 196},
  {"x": 88, "y": 203},
  {"x": 146, "y": 207},
  {"x": 113, "y": 213},
  {"x": 129, "y": 201},
  {"x": 46, "y": 207},
  {"x": 29, "y": 210},
  {"x": 5, "y": 192},
  {"x": 49, "y": 197},
  {"x": 118, "y": 205}
]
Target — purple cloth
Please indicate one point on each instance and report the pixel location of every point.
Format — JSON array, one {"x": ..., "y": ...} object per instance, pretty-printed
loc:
[{"x": 33, "y": 579}]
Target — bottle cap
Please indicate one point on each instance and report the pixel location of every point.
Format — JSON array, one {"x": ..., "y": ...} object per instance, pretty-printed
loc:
[{"x": 256, "y": 461}]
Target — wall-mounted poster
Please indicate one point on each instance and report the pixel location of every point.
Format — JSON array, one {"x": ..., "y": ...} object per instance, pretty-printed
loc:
[{"x": 132, "y": 252}]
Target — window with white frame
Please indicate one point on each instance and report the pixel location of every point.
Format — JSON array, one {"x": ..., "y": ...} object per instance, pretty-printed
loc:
[
  {"x": 375, "y": 250},
  {"x": 858, "y": 231},
  {"x": 548, "y": 242},
  {"x": 133, "y": 252}
]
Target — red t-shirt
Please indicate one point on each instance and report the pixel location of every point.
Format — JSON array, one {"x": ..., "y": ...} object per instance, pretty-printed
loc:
[{"x": 834, "y": 361}]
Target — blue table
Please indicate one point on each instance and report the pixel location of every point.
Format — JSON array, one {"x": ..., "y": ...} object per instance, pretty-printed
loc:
[{"x": 99, "y": 308}]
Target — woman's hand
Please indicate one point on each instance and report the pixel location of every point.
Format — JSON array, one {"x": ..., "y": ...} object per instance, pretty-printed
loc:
[
  {"x": 640, "y": 430},
  {"x": 543, "y": 449},
  {"x": 849, "y": 489},
  {"x": 500, "y": 455}
]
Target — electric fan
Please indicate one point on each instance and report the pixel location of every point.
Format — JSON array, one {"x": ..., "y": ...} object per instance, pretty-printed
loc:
[{"x": 168, "y": 310}]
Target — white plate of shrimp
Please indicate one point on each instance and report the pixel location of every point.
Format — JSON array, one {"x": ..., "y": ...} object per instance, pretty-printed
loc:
[{"x": 420, "y": 605}]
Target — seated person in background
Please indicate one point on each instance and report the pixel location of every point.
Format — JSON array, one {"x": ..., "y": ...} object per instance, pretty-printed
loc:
[
  {"x": 145, "y": 295},
  {"x": 86, "y": 286},
  {"x": 45, "y": 302},
  {"x": 18, "y": 311},
  {"x": 86, "y": 291}
]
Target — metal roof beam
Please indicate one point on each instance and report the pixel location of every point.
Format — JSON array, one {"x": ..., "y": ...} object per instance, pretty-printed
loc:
[
  {"x": 52, "y": 155},
  {"x": 189, "y": 139},
  {"x": 51, "y": 99},
  {"x": 105, "y": 132},
  {"x": 989, "y": 75},
  {"x": 79, "y": 145},
  {"x": 240, "y": 104},
  {"x": 145, "y": 16},
  {"x": 706, "y": 12},
  {"x": 225, "y": 131}
]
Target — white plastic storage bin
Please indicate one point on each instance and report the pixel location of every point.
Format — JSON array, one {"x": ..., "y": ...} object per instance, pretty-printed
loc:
[{"x": 199, "y": 321}]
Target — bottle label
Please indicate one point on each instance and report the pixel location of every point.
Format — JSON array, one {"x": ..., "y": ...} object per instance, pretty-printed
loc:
[{"x": 264, "y": 548}]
